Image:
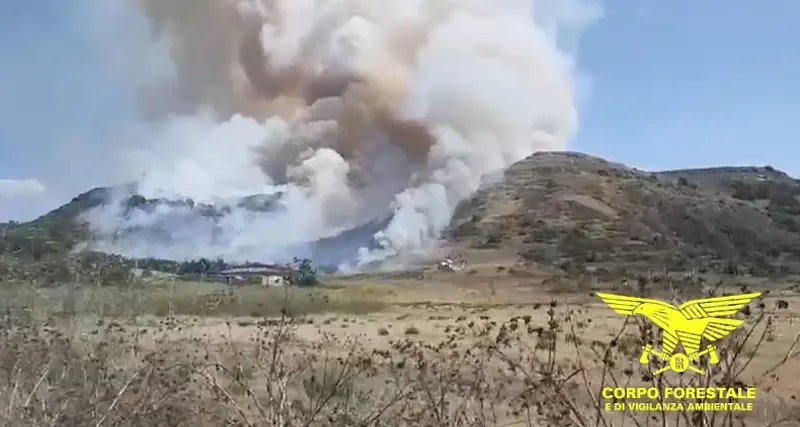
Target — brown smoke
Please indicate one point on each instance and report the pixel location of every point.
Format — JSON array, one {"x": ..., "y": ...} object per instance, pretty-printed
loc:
[
  {"x": 220, "y": 64},
  {"x": 203, "y": 35},
  {"x": 353, "y": 110}
]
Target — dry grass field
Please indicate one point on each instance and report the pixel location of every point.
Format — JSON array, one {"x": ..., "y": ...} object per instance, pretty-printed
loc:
[{"x": 488, "y": 347}]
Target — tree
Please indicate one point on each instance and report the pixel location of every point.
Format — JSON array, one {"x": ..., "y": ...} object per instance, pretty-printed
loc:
[{"x": 306, "y": 273}]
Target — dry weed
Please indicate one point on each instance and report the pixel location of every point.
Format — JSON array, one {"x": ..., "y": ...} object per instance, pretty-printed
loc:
[{"x": 486, "y": 372}]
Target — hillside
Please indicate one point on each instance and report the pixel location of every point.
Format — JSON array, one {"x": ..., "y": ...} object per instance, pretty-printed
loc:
[
  {"x": 573, "y": 211},
  {"x": 567, "y": 211}
]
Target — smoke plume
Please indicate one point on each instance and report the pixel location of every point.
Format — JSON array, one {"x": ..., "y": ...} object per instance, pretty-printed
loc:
[{"x": 342, "y": 114}]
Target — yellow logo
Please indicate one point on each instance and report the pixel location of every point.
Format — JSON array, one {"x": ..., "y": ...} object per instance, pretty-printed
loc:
[{"x": 686, "y": 324}]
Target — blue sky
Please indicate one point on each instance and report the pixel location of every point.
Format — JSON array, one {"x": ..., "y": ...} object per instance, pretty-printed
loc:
[
  {"x": 692, "y": 83},
  {"x": 673, "y": 84}
]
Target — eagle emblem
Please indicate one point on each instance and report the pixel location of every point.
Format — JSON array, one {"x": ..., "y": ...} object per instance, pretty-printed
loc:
[{"x": 686, "y": 324}]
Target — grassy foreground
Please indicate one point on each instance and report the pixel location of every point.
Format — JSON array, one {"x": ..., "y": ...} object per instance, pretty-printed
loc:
[{"x": 142, "y": 357}]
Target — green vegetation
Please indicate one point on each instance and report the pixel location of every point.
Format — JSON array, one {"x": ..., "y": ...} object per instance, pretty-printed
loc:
[
  {"x": 307, "y": 274},
  {"x": 186, "y": 299},
  {"x": 42, "y": 252}
]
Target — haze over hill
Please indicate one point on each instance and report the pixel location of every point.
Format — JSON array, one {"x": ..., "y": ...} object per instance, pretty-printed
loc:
[{"x": 557, "y": 211}]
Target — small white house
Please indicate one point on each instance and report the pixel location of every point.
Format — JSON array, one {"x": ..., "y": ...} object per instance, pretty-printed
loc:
[
  {"x": 274, "y": 281},
  {"x": 269, "y": 275}
]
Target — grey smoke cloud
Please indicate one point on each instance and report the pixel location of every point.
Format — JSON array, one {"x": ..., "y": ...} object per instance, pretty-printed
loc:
[{"x": 354, "y": 110}]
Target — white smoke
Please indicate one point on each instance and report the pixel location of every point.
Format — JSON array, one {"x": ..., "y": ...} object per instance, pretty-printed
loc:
[{"x": 351, "y": 110}]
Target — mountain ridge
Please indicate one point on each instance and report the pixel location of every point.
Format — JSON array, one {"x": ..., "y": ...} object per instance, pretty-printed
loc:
[
  {"x": 564, "y": 210},
  {"x": 576, "y": 211}
]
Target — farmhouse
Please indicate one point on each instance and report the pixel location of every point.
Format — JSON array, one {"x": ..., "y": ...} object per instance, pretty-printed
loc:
[{"x": 267, "y": 274}]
